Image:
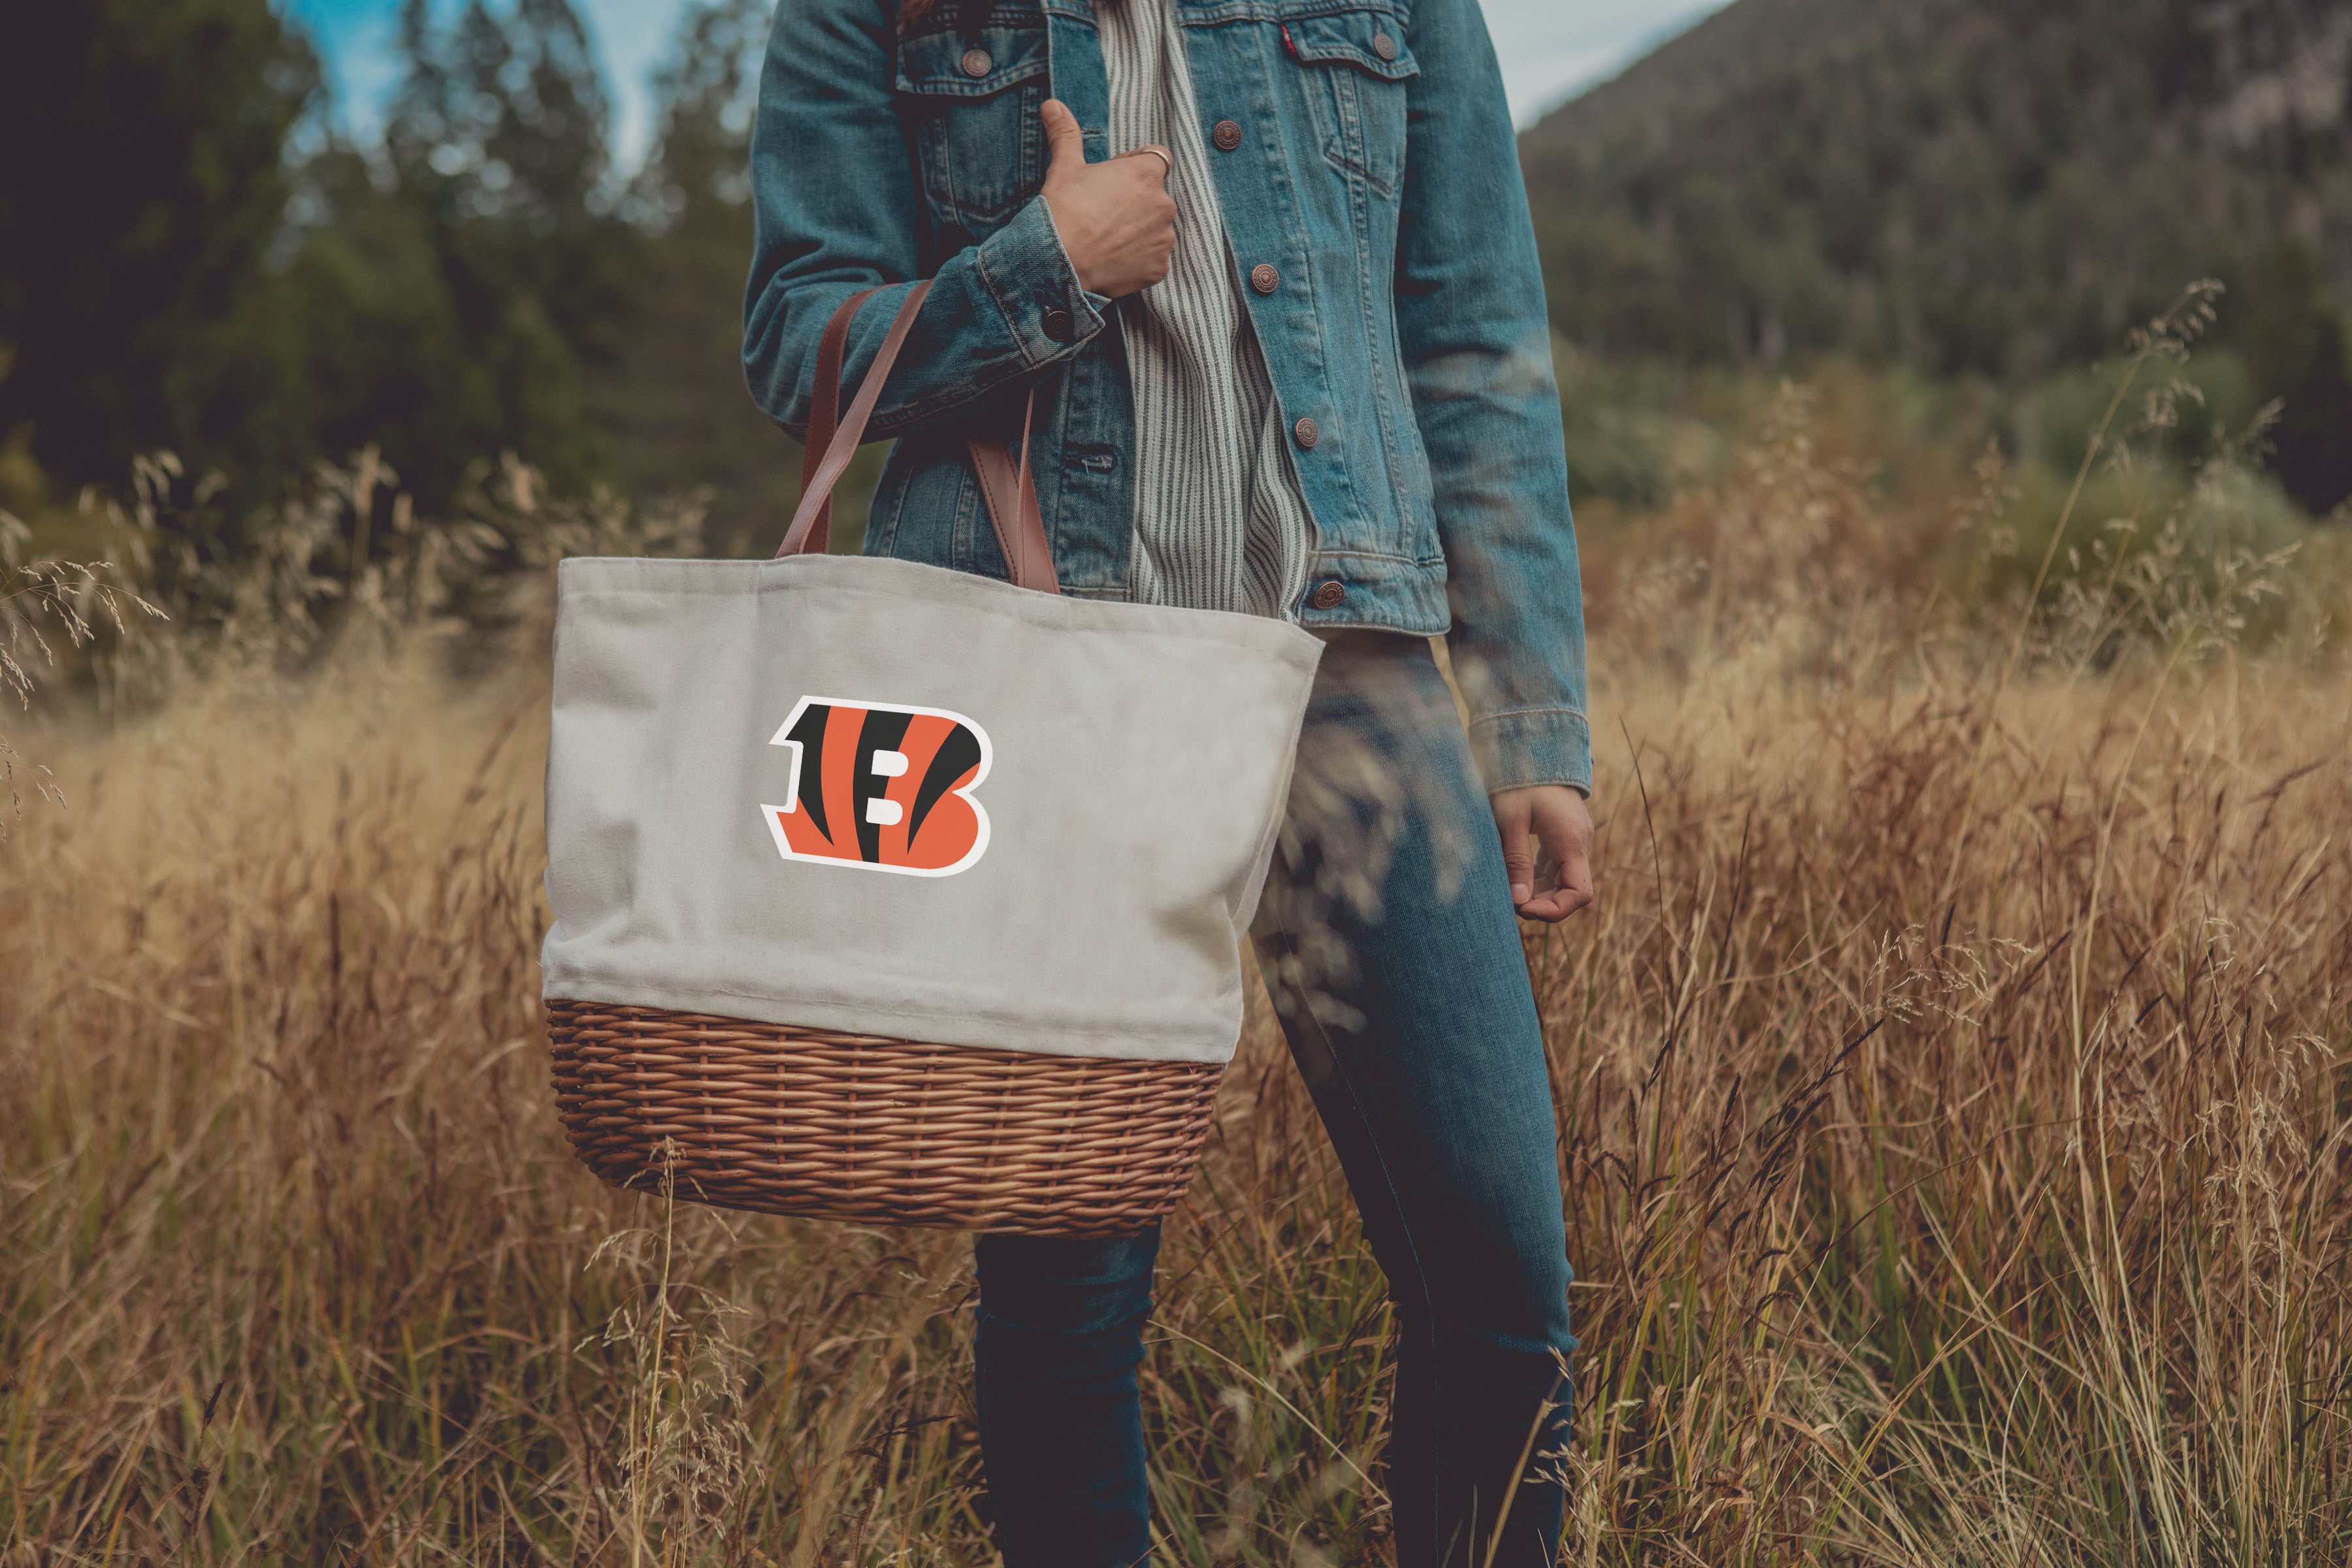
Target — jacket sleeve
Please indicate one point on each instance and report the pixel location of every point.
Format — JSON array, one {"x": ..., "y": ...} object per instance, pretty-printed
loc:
[
  {"x": 836, "y": 210},
  {"x": 1477, "y": 343}
]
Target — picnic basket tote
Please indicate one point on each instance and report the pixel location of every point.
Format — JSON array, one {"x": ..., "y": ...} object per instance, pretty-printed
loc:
[{"x": 891, "y": 894}]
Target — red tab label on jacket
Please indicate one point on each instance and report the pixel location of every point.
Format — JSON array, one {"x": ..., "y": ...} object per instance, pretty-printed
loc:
[{"x": 882, "y": 786}]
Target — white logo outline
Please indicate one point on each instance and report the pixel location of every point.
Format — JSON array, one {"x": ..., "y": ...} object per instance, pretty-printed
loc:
[{"x": 770, "y": 815}]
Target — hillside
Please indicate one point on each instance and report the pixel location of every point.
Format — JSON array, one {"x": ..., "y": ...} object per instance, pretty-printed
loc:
[{"x": 1996, "y": 186}]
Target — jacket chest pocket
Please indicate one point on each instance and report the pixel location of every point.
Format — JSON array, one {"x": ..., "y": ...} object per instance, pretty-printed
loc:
[
  {"x": 970, "y": 105},
  {"x": 1356, "y": 66}
]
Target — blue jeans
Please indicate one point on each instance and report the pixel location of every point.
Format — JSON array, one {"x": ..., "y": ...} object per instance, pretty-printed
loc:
[{"x": 1388, "y": 939}]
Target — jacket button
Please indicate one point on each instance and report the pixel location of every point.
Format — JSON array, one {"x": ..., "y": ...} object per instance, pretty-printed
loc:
[
  {"x": 1331, "y": 595},
  {"x": 1307, "y": 432},
  {"x": 1227, "y": 135},
  {"x": 1383, "y": 46},
  {"x": 977, "y": 62},
  {"x": 1264, "y": 278},
  {"x": 1059, "y": 325}
]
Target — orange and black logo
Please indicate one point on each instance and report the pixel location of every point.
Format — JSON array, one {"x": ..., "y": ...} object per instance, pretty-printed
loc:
[{"x": 882, "y": 786}]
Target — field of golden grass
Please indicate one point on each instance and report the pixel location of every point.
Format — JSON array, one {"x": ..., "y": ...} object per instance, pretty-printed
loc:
[{"x": 1952, "y": 1079}]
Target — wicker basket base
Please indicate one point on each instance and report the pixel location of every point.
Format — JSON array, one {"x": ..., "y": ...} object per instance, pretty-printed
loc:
[{"x": 855, "y": 1127}]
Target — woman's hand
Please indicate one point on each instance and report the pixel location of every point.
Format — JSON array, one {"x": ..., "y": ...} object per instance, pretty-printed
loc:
[
  {"x": 1556, "y": 817},
  {"x": 1116, "y": 220}
]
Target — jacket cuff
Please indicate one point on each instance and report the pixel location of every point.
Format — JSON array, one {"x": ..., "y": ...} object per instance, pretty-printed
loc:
[
  {"x": 1028, "y": 274},
  {"x": 1533, "y": 746}
]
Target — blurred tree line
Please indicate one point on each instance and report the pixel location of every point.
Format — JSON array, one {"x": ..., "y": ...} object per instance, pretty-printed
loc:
[
  {"x": 196, "y": 259},
  {"x": 1991, "y": 188}
]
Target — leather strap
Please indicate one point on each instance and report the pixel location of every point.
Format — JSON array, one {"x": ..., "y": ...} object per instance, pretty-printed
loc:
[
  {"x": 1011, "y": 491},
  {"x": 825, "y": 409},
  {"x": 1007, "y": 485},
  {"x": 816, "y": 491}
]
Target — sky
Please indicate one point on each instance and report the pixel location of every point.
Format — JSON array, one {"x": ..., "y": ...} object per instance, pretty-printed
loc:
[{"x": 1549, "y": 48}]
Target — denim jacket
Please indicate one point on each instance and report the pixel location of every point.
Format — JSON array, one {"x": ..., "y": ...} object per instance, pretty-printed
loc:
[{"x": 1369, "y": 181}]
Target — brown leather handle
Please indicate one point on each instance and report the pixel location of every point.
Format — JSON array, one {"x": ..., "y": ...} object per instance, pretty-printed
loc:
[
  {"x": 841, "y": 446},
  {"x": 825, "y": 410},
  {"x": 1011, "y": 492},
  {"x": 1006, "y": 485}
]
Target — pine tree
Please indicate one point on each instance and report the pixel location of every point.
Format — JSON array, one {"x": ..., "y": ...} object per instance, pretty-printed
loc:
[
  {"x": 676, "y": 399},
  {"x": 143, "y": 186}
]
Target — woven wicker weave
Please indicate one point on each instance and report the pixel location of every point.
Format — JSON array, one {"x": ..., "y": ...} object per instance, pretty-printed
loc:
[{"x": 854, "y": 1127}]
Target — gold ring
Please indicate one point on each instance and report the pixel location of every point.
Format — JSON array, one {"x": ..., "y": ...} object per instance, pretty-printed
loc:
[{"x": 1167, "y": 162}]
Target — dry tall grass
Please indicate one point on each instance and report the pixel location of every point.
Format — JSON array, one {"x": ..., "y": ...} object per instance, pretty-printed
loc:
[{"x": 1952, "y": 1082}]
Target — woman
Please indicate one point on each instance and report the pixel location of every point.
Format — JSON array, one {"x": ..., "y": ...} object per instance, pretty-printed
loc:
[{"x": 1268, "y": 265}]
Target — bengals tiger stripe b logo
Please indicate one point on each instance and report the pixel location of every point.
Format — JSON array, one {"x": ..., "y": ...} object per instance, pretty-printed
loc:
[{"x": 881, "y": 786}]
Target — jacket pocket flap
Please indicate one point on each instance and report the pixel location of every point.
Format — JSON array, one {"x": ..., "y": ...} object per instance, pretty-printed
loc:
[
  {"x": 1372, "y": 41},
  {"x": 957, "y": 65}
]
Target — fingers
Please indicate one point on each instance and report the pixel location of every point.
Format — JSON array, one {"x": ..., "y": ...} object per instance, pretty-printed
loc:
[
  {"x": 1557, "y": 817},
  {"x": 1116, "y": 220},
  {"x": 1564, "y": 824},
  {"x": 1511, "y": 814},
  {"x": 1065, "y": 143},
  {"x": 1573, "y": 893}
]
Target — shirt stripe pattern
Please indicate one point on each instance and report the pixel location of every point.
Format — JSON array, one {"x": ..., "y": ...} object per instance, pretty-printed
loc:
[{"x": 1220, "y": 521}]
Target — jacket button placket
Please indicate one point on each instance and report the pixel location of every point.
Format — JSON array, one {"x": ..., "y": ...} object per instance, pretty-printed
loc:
[
  {"x": 1264, "y": 278},
  {"x": 1227, "y": 135}
]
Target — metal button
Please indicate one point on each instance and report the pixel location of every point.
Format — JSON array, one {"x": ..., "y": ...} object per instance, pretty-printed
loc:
[
  {"x": 1331, "y": 595},
  {"x": 1227, "y": 135},
  {"x": 1383, "y": 46},
  {"x": 1307, "y": 432},
  {"x": 1264, "y": 278},
  {"x": 1059, "y": 325},
  {"x": 977, "y": 62}
]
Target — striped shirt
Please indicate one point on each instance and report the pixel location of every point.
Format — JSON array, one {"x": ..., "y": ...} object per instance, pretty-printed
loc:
[{"x": 1220, "y": 521}]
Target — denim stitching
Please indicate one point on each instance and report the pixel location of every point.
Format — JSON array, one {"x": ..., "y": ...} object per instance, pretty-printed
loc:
[{"x": 1501, "y": 714}]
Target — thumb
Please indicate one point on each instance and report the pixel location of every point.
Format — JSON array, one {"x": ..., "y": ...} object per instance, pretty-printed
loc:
[
  {"x": 1518, "y": 855},
  {"x": 1064, "y": 144}
]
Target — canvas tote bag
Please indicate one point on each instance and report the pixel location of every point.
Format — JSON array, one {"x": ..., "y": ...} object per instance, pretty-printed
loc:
[{"x": 891, "y": 893}]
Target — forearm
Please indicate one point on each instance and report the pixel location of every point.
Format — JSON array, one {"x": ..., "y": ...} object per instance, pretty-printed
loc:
[
  {"x": 1491, "y": 423},
  {"x": 983, "y": 326},
  {"x": 1477, "y": 351}
]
